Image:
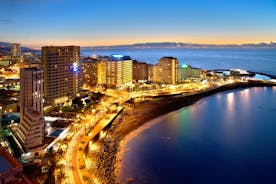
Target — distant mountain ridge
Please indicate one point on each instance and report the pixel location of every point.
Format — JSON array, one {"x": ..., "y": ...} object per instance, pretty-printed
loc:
[
  {"x": 6, "y": 46},
  {"x": 182, "y": 45}
]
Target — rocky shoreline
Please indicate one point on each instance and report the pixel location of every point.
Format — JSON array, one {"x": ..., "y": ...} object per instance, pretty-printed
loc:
[{"x": 137, "y": 114}]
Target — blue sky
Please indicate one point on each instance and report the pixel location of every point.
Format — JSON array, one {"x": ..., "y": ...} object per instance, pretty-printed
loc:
[{"x": 110, "y": 22}]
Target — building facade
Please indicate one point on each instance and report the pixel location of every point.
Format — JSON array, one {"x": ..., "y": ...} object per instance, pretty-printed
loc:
[
  {"x": 89, "y": 71},
  {"x": 124, "y": 72},
  {"x": 140, "y": 71},
  {"x": 15, "y": 53},
  {"x": 166, "y": 71},
  {"x": 9, "y": 100},
  {"x": 31, "y": 127},
  {"x": 62, "y": 73},
  {"x": 102, "y": 65},
  {"x": 186, "y": 71},
  {"x": 150, "y": 72},
  {"x": 111, "y": 73},
  {"x": 16, "y": 50},
  {"x": 115, "y": 71}
]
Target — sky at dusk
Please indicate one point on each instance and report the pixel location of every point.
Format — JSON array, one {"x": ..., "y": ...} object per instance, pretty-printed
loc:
[{"x": 35, "y": 23}]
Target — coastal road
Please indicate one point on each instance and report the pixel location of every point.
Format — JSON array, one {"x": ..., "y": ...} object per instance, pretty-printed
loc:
[{"x": 72, "y": 168}]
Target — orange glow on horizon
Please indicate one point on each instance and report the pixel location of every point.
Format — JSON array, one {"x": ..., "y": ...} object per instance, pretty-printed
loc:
[{"x": 126, "y": 41}]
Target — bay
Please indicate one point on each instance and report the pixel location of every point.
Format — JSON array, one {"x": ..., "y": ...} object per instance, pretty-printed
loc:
[{"x": 225, "y": 138}]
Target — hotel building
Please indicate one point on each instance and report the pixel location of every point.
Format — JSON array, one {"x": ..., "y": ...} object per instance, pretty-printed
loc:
[
  {"x": 166, "y": 71},
  {"x": 101, "y": 70},
  {"x": 31, "y": 127},
  {"x": 89, "y": 71},
  {"x": 140, "y": 71},
  {"x": 125, "y": 72},
  {"x": 115, "y": 71},
  {"x": 186, "y": 72},
  {"x": 62, "y": 73}
]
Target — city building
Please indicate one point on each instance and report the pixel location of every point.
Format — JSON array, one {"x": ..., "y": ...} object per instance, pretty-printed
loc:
[
  {"x": 11, "y": 171},
  {"x": 9, "y": 100},
  {"x": 89, "y": 71},
  {"x": 102, "y": 65},
  {"x": 9, "y": 104},
  {"x": 15, "y": 53},
  {"x": 150, "y": 72},
  {"x": 115, "y": 71},
  {"x": 31, "y": 126},
  {"x": 31, "y": 58},
  {"x": 5, "y": 60},
  {"x": 111, "y": 73},
  {"x": 166, "y": 71},
  {"x": 140, "y": 71},
  {"x": 9, "y": 83},
  {"x": 124, "y": 71},
  {"x": 62, "y": 73},
  {"x": 186, "y": 71},
  {"x": 16, "y": 50}
]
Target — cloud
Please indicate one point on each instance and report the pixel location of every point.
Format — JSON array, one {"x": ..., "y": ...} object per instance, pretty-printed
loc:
[{"x": 5, "y": 21}]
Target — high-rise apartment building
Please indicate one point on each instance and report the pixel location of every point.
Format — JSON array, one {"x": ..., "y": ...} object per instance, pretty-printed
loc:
[
  {"x": 140, "y": 71},
  {"x": 31, "y": 127},
  {"x": 62, "y": 73},
  {"x": 115, "y": 71},
  {"x": 16, "y": 50},
  {"x": 166, "y": 70},
  {"x": 89, "y": 71},
  {"x": 124, "y": 72},
  {"x": 102, "y": 65}
]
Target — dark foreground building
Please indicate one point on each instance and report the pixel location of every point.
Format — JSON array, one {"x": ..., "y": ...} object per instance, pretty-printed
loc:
[{"x": 10, "y": 169}]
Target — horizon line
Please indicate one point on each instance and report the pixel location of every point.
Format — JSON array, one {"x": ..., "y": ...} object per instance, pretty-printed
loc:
[{"x": 137, "y": 43}]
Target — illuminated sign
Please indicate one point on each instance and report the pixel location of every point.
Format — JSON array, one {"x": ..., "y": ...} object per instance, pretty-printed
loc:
[
  {"x": 118, "y": 56},
  {"x": 75, "y": 67},
  {"x": 184, "y": 66}
]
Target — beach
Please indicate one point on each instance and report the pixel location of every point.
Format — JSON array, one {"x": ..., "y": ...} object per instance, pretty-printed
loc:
[{"x": 135, "y": 115}]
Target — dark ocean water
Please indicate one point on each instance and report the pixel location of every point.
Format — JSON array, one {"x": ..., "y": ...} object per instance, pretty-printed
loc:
[
  {"x": 261, "y": 60},
  {"x": 229, "y": 137}
]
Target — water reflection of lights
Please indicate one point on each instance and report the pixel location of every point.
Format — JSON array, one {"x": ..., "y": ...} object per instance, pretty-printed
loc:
[
  {"x": 245, "y": 96},
  {"x": 230, "y": 99},
  {"x": 230, "y": 106}
]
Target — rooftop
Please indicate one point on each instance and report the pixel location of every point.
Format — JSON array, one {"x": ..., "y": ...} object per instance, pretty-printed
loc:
[
  {"x": 8, "y": 162},
  {"x": 5, "y": 164},
  {"x": 11, "y": 168}
]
